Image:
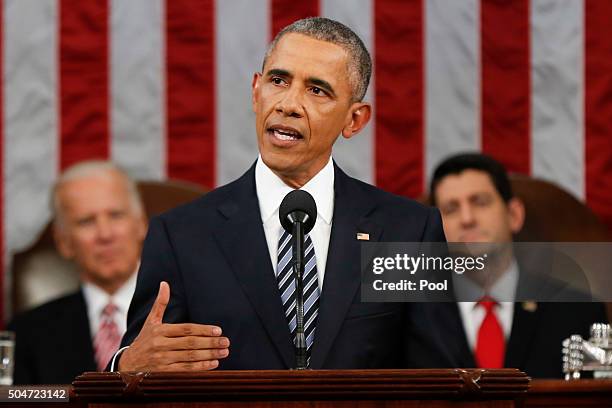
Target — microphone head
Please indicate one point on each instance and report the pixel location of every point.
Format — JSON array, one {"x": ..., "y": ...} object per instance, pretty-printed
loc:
[{"x": 298, "y": 205}]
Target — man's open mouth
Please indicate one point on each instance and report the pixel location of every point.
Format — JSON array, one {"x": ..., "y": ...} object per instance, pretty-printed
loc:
[{"x": 285, "y": 133}]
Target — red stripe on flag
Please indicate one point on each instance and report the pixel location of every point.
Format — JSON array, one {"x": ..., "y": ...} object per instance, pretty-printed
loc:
[
  {"x": 83, "y": 80},
  {"x": 598, "y": 108},
  {"x": 2, "y": 241},
  {"x": 190, "y": 90},
  {"x": 399, "y": 27},
  {"x": 506, "y": 83},
  {"x": 285, "y": 12}
]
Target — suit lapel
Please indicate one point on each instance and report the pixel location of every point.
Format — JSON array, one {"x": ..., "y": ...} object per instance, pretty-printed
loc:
[
  {"x": 342, "y": 272},
  {"x": 243, "y": 243}
]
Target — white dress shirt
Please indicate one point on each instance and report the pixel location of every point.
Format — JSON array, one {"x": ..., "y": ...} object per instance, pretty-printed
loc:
[
  {"x": 270, "y": 193},
  {"x": 472, "y": 315},
  {"x": 96, "y": 299}
]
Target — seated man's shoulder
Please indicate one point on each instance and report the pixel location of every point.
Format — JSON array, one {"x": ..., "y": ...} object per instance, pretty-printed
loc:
[{"x": 48, "y": 312}]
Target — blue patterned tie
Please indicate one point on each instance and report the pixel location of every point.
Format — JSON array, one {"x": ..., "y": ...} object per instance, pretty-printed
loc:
[{"x": 286, "y": 285}]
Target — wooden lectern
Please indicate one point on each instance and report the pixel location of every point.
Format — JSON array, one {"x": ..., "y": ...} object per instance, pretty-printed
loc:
[{"x": 320, "y": 388}]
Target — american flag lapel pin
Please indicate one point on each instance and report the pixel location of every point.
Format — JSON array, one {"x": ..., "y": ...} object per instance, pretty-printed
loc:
[
  {"x": 530, "y": 306},
  {"x": 362, "y": 236}
]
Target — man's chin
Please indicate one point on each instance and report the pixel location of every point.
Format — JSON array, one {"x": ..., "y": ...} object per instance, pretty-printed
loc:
[
  {"x": 475, "y": 237},
  {"x": 279, "y": 163},
  {"x": 472, "y": 248},
  {"x": 110, "y": 273}
]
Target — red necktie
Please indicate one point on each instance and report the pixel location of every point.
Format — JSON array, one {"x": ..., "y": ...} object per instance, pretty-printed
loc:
[
  {"x": 490, "y": 344},
  {"x": 107, "y": 339}
]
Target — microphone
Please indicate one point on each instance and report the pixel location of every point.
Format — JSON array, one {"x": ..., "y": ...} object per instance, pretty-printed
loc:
[{"x": 298, "y": 214}]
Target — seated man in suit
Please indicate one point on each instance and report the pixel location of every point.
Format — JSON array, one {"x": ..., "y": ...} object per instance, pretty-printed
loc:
[
  {"x": 475, "y": 198},
  {"x": 209, "y": 275},
  {"x": 100, "y": 224}
]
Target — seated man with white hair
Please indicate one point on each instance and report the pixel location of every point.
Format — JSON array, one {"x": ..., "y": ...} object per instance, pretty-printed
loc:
[{"x": 100, "y": 224}]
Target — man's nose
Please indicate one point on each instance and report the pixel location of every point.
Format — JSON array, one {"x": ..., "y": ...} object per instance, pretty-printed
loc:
[
  {"x": 104, "y": 229},
  {"x": 466, "y": 215},
  {"x": 291, "y": 103}
]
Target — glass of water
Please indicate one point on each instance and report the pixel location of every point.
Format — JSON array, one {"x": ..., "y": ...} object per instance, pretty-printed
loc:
[{"x": 7, "y": 359}]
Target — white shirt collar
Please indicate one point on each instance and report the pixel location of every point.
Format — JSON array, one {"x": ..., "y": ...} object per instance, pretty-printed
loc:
[
  {"x": 96, "y": 298},
  {"x": 271, "y": 190}
]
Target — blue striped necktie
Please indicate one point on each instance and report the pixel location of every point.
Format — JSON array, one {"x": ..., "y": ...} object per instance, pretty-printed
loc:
[{"x": 286, "y": 285}]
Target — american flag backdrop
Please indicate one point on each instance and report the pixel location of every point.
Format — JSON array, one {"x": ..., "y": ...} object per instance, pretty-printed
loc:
[{"x": 163, "y": 88}]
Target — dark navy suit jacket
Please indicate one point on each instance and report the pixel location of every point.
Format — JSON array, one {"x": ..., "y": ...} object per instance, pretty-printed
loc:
[
  {"x": 53, "y": 342},
  {"x": 214, "y": 255}
]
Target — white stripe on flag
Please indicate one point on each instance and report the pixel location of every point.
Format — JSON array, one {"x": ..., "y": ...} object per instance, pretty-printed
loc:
[
  {"x": 31, "y": 117},
  {"x": 241, "y": 39},
  {"x": 452, "y": 76},
  {"x": 557, "y": 87},
  {"x": 356, "y": 156},
  {"x": 137, "y": 84}
]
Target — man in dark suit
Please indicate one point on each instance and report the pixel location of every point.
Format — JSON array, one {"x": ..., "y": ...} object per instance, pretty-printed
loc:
[
  {"x": 477, "y": 205},
  {"x": 213, "y": 269},
  {"x": 99, "y": 223}
]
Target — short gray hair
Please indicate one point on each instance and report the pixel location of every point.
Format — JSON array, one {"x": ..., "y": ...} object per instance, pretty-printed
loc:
[
  {"x": 86, "y": 169},
  {"x": 324, "y": 29}
]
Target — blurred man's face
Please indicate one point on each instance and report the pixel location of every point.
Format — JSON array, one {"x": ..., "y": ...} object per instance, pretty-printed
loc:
[
  {"x": 473, "y": 211},
  {"x": 100, "y": 228},
  {"x": 302, "y": 102}
]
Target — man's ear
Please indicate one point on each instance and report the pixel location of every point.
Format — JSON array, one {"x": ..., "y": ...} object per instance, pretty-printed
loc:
[
  {"x": 360, "y": 114},
  {"x": 62, "y": 242},
  {"x": 255, "y": 90},
  {"x": 516, "y": 210}
]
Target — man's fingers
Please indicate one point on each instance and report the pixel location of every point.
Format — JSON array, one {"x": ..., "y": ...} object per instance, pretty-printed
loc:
[
  {"x": 191, "y": 343},
  {"x": 159, "y": 307},
  {"x": 191, "y": 366},
  {"x": 192, "y": 356},
  {"x": 190, "y": 329}
]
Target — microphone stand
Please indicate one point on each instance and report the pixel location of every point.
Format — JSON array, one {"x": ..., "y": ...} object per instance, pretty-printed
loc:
[
  {"x": 298, "y": 214},
  {"x": 298, "y": 272}
]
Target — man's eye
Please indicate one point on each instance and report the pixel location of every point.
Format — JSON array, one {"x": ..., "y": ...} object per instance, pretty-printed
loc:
[
  {"x": 317, "y": 91},
  {"x": 117, "y": 214},
  {"x": 482, "y": 201},
  {"x": 448, "y": 209},
  {"x": 277, "y": 81},
  {"x": 83, "y": 222}
]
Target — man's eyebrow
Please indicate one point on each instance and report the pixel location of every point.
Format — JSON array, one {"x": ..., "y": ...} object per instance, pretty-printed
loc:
[
  {"x": 321, "y": 83},
  {"x": 278, "y": 72}
]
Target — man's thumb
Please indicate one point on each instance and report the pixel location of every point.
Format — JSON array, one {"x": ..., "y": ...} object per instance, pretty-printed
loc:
[{"x": 159, "y": 307}]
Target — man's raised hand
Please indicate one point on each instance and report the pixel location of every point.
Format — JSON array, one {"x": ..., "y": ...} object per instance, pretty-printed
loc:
[{"x": 173, "y": 347}]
